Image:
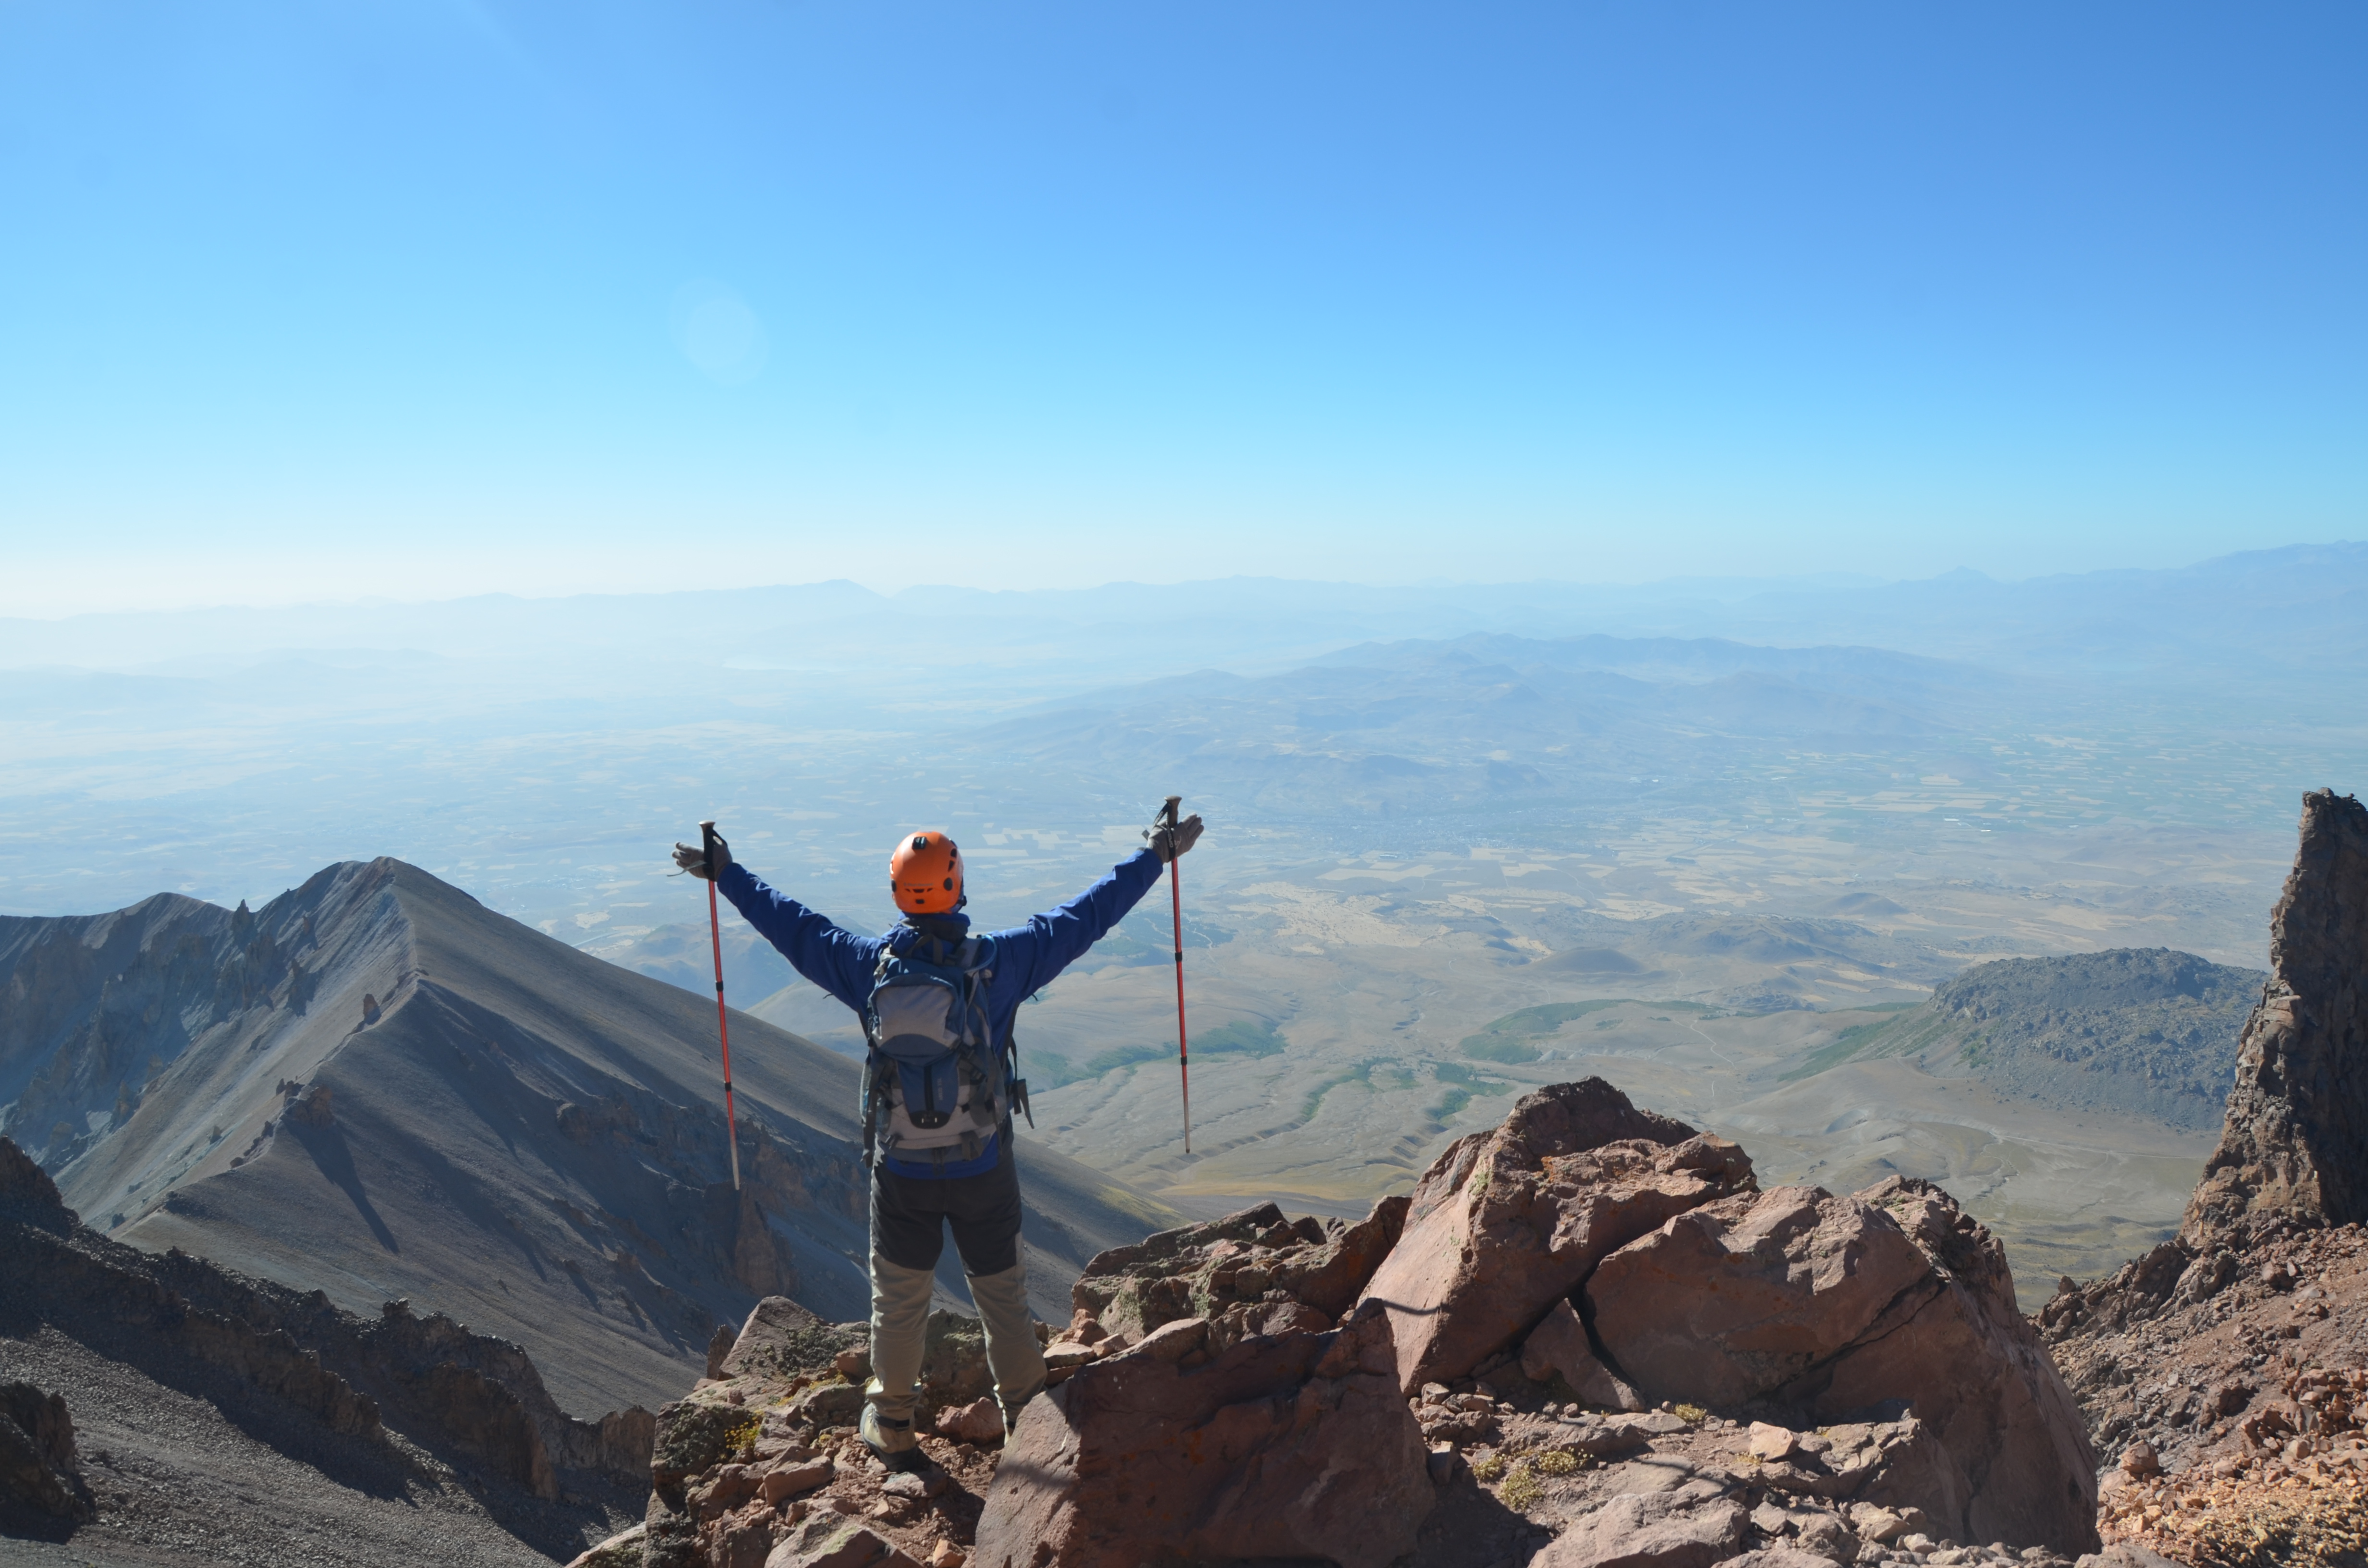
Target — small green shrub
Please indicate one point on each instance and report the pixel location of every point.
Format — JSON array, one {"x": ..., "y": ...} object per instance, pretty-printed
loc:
[
  {"x": 1556, "y": 1463},
  {"x": 1489, "y": 1467},
  {"x": 1521, "y": 1490},
  {"x": 1691, "y": 1415}
]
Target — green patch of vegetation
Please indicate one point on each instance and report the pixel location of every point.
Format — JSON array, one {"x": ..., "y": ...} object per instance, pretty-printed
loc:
[
  {"x": 1691, "y": 1415},
  {"x": 1837, "y": 1051},
  {"x": 1508, "y": 1039},
  {"x": 1910, "y": 1031},
  {"x": 1361, "y": 1074},
  {"x": 1489, "y": 1467},
  {"x": 1492, "y": 1047},
  {"x": 1240, "y": 1039},
  {"x": 1464, "y": 1086},
  {"x": 1522, "y": 1489},
  {"x": 1125, "y": 1056},
  {"x": 1555, "y": 1461},
  {"x": 1045, "y": 1070}
]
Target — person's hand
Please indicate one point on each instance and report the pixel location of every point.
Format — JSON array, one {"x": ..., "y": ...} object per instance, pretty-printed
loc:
[
  {"x": 1170, "y": 842},
  {"x": 692, "y": 859}
]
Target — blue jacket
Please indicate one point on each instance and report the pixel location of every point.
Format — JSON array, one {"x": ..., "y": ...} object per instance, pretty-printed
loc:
[{"x": 1027, "y": 957}]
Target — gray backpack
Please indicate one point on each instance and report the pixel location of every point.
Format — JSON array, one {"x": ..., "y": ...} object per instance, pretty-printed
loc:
[{"x": 937, "y": 1091}]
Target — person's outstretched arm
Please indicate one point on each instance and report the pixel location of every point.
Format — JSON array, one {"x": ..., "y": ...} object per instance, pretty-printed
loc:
[
  {"x": 832, "y": 957},
  {"x": 1053, "y": 940}
]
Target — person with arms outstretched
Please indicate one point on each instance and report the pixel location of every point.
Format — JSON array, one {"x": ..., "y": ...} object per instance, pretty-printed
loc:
[{"x": 939, "y": 1087}]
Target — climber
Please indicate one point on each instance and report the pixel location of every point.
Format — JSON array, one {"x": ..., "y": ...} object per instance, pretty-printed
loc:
[{"x": 940, "y": 1086}]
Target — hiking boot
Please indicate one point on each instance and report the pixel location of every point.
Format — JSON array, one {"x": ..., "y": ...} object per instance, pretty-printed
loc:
[{"x": 890, "y": 1440}]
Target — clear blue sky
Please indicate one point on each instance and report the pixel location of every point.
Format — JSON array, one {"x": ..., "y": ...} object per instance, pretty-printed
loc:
[{"x": 317, "y": 301}]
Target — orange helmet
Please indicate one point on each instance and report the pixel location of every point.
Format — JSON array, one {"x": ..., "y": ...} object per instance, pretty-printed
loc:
[{"x": 925, "y": 874}]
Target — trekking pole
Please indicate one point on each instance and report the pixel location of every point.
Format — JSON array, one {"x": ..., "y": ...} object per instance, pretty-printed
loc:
[
  {"x": 1175, "y": 905},
  {"x": 723, "y": 1029}
]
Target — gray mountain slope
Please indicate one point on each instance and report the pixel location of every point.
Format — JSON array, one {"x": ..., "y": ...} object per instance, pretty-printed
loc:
[
  {"x": 2144, "y": 1030},
  {"x": 514, "y": 1134}
]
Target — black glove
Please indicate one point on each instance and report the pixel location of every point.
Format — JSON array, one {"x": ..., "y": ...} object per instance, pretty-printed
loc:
[
  {"x": 1170, "y": 842},
  {"x": 692, "y": 859}
]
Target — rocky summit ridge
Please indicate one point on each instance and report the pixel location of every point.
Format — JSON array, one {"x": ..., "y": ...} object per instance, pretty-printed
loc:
[{"x": 1588, "y": 1338}]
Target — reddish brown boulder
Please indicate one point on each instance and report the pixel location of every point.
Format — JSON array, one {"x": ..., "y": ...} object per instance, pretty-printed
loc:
[
  {"x": 1293, "y": 1446},
  {"x": 1839, "y": 1306},
  {"x": 1974, "y": 1370},
  {"x": 1739, "y": 1298},
  {"x": 1509, "y": 1220},
  {"x": 980, "y": 1420}
]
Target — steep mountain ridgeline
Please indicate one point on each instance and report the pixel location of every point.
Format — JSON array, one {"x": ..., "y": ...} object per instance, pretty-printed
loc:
[
  {"x": 217, "y": 1007},
  {"x": 2142, "y": 1032},
  {"x": 387, "y": 1090}
]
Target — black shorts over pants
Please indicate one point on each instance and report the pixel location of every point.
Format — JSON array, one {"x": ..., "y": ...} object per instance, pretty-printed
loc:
[{"x": 909, "y": 1216}]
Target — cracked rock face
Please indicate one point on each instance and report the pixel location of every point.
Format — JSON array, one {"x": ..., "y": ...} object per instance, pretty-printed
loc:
[
  {"x": 2295, "y": 1142},
  {"x": 1735, "y": 1300},
  {"x": 1843, "y": 1305},
  {"x": 1509, "y": 1221}
]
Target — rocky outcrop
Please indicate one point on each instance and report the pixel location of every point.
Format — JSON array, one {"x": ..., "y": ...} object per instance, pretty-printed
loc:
[
  {"x": 1509, "y": 1221},
  {"x": 2294, "y": 1146},
  {"x": 1293, "y": 1446},
  {"x": 38, "y": 1467},
  {"x": 476, "y": 1399},
  {"x": 1840, "y": 1380},
  {"x": 763, "y": 1466},
  {"x": 2228, "y": 1388},
  {"x": 1736, "y": 1300},
  {"x": 1243, "y": 1259},
  {"x": 2220, "y": 1366},
  {"x": 1841, "y": 1305}
]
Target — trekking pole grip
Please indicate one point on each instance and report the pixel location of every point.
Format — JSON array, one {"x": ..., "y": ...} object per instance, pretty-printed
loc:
[{"x": 707, "y": 847}]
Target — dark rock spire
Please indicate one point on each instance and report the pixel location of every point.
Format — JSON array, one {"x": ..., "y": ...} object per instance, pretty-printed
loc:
[{"x": 2295, "y": 1146}]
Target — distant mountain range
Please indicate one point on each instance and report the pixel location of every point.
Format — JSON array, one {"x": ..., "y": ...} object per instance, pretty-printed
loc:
[
  {"x": 1489, "y": 717},
  {"x": 375, "y": 1086},
  {"x": 2295, "y": 608}
]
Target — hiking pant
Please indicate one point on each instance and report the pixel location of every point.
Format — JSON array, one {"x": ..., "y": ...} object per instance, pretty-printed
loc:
[{"x": 909, "y": 1216}]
